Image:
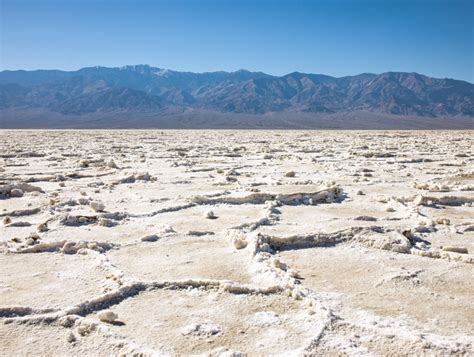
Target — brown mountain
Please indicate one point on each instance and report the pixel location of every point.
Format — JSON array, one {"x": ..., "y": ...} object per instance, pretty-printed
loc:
[{"x": 146, "y": 92}]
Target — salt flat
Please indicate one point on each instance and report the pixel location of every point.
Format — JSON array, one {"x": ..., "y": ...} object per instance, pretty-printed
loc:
[{"x": 236, "y": 242}]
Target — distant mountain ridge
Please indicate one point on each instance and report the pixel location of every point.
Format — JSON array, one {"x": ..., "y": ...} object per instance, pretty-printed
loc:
[{"x": 144, "y": 90}]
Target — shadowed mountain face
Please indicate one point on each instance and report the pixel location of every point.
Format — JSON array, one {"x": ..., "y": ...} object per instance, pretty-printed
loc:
[{"x": 144, "y": 89}]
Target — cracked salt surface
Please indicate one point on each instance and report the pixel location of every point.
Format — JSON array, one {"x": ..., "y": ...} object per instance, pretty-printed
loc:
[{"x": 169, "y": 243}]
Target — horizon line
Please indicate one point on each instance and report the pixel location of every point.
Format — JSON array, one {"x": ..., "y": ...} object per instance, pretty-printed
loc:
[{"x": 227, "y": 71}]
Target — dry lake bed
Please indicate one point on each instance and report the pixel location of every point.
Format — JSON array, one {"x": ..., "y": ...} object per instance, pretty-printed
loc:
[{"x": 231, "y": 243}]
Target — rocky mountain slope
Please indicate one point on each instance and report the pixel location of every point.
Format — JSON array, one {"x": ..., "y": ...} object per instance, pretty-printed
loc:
[{"x": 144, "y": 90}]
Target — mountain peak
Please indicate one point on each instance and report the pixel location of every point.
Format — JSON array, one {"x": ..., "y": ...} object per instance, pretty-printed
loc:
[{"x": 154, "y": 89}]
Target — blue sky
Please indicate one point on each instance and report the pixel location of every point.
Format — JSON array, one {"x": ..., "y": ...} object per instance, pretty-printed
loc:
[{"x": 334, "y": 37}]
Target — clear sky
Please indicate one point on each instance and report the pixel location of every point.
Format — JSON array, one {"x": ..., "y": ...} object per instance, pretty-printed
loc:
[{"x": 334, "y": 37}]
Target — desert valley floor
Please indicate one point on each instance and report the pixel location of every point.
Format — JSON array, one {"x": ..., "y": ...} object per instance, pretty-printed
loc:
[{"x": 230, "y": 243}]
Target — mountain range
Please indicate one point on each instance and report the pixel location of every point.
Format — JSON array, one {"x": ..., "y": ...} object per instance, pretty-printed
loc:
[{"x": 144, "y": 96}]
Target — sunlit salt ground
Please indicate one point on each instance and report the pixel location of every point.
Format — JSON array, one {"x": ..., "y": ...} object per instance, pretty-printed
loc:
[{"x": 236, "y": 242}]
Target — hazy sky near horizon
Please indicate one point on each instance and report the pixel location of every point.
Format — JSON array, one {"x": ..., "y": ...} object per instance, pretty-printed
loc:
[{"x": 334, "y": 37}]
